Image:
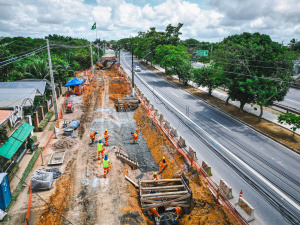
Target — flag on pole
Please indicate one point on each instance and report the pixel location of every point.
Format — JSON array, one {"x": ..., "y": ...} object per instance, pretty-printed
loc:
[{"x": 94, "y": 26}]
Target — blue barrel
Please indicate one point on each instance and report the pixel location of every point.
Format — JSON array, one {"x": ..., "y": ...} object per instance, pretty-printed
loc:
[{"x": 5, "y": 195}]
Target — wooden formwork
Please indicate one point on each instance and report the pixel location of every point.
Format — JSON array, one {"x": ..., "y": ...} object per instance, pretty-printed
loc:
[
  {"x": 131, "y": 162},
  {"x": 167, "y": 193},
  {"x": 127, "y": 103}
]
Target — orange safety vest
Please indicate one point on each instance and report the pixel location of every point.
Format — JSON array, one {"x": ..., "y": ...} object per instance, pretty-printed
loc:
[
  {"x": 155, "y": 177},
  {"x": 178, "y": 210},
  {"x": 92, "y": 135},
  {"x": 106, "y": 134}
]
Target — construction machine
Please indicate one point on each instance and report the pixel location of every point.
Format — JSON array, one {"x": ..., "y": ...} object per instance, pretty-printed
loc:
[{"x": 106, "y": 64}]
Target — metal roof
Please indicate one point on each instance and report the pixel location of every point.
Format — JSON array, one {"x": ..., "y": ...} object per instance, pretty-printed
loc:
[
  {"x": 38, "y": 85},
  {"x": 9, "y": 148},
  {"x": 10, "y": 97},
  {"x": 4, "y": 114}
]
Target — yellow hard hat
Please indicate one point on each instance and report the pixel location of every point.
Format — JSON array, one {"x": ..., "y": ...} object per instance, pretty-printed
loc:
[
  {"x": 164, "y": 158},
  {"x": 105, "y": 129},
  {"x": 155, "y": 173}
]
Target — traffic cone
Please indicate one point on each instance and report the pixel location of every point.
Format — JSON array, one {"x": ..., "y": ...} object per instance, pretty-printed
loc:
[{"x": 241, "y": 193}]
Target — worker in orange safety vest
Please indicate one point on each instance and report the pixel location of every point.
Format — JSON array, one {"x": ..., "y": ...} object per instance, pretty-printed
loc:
[
  {"x": 155, "y": 177},
  {"x": 106, "y": 135},
  {"x": 154, "y": 211},
  {"x": 138, "y": 129},
  {"x": 135, "y": 137},
  {"x": 100, "y": 149},
  {"x": 163, "y": 164},
  {"x": 178, "y": 213},
  {"x": 93, "y": 136},
  {"x": 106, "y": 165}
]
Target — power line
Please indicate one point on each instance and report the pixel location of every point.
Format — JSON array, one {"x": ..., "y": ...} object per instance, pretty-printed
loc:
[{"x": 22, "y": 53}]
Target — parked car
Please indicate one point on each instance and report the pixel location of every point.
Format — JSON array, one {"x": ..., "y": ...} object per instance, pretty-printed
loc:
[{"x": 137, "y": 69}]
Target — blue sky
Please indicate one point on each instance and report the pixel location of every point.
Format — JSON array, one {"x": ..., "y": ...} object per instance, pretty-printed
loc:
[{"x": 205, "y": 20}]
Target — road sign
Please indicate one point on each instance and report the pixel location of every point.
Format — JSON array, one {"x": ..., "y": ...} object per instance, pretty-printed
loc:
[{"x": 202, "y": 52}]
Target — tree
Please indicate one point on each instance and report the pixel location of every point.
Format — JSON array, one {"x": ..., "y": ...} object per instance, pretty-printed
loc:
[
  {"x": 206, "y": 77},
  {"x": 255, "y": 69},
  {"x": 176, "y": 59},
  {"x": 290, "y": 119}
]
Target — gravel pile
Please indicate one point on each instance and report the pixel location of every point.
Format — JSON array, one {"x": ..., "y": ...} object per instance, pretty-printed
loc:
[{"x": 64, "y": 143}]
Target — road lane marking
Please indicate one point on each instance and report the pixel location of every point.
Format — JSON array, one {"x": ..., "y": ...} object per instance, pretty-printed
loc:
[
  {"x": 174, "y": 94},
  {"x": 292, "y": 101},
  {"x": 229, "y": 152},
  {"x": 221, "y": 124}
]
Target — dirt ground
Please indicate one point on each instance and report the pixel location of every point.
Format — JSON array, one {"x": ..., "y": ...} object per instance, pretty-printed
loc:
[{"x": 280, "y": 133}]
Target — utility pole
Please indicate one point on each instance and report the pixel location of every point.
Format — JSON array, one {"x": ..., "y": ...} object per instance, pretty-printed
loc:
[
  {"x": 132, "y": 70},
  {"x": 98, "y": 52},
  {"x": 92, "y": 58},
  {"x": 120, "y": 55},
  {"x": 52, "y": 83}
]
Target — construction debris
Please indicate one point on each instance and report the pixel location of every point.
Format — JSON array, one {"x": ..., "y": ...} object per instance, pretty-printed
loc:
[
  {"x": 131, "y": 181},
  {"x": 65, "y": 143}
]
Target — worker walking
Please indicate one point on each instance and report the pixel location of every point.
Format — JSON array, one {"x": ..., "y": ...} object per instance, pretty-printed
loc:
[
  {"x": 93, "y": 136},
  {"x": 106, "y": 136},
  {"x": 138, "y": 129},
  {"x": 101, "y": 149},
  {"x": 178, "y": 213},
  {"x": 155, "y": 177},
  {"x": 106, "y": 165},
  {"x": 135, "y": 137},
  {"x": 163, "y": 164}
]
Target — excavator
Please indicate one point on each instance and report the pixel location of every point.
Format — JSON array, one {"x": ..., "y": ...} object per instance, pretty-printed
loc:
[{"x": 106, "y": 64}]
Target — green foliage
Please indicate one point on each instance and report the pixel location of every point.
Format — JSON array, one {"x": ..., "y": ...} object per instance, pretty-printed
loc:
[
  {"x": 176, "y": 59},
  {"x": 290, "y": 119},
  {"x": 45, "y": 121},
  {"x": 65, "y": 61},
  {"x": 255, "y": 69},
  {"x": 207, "y": 77},
  {"x": 20, "y": 186}
]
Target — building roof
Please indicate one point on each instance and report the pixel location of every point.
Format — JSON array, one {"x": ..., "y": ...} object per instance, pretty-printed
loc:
[
  {"x": 38, "y": 85},
  {"x": 13, "y": 97},
  {"x": 9, "y": 148},
  {"x": 4, "y": 114}
]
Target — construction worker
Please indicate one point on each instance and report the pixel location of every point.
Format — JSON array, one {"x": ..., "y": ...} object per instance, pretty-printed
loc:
[
  {"x": 106, "y": 165},
  {"x": 138, "y": 129},
  {"x": 106, "y": 135},
  {"x": 30, "y": 144},
  {"x": 178, "y": 213},
  {"x": 135, "y": 137},
  {"x": 154, "y": 211},
  {"x": 163, "y": 164},
  {"x": 155, "y": 177},
  {"x": 93, "y": 136},
  {"x": 101, "y": 149}
]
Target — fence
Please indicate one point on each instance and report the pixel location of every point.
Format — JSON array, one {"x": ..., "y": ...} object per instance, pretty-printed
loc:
[
  {"x": 189, "y": 157},
  {"x": 287, "y": 108}
]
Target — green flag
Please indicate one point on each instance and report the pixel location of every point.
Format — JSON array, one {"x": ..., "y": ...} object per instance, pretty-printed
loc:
[{"x": 94, "y": 26}]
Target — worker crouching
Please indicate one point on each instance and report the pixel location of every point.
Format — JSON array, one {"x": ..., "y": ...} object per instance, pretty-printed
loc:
[
  {"x": 135, "y": 137},
  {"x": 163, "y": 164},
  {"x": 155, "y": 177},
  {"x": 106, "y": 165},
  {"x": 178, "y": 214},
  {"x": 93, "y": 136}
]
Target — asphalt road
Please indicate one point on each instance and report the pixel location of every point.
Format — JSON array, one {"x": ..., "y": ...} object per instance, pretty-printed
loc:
[
  {"x": 292, "y": 99},
  {"x": 267, "y": 172}
]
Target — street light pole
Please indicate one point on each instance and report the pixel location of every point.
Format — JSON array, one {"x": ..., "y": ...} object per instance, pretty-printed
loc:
[
  {"x": 132, "y": 70},
  {"x": 92, "y": 59},
  {"x": 52, "y": 82}
]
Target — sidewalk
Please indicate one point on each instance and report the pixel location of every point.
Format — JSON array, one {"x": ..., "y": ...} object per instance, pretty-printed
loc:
[{"x": 248, "y": 108}]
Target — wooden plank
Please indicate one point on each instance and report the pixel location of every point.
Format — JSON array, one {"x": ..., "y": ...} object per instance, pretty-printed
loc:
[
  {"x": 165, "y": 197},
  {"x": 161, "y": 180},
  {"x": 131, "y": 181},
  {"x": 158, "y": 202},
  {"x": 162, "y": 190},
  {"x": 165, "y": 187},
  {"x": 186, "y": 186},
  {"x": 164, "y": 194},
  {"x": 166, "y": 203}
]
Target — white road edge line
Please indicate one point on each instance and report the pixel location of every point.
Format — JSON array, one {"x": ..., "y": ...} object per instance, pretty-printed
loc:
[
  {"x": 234, "y": 156},
  {"x": 292, "y": 101},
  {"x": 221, "y": 124}
]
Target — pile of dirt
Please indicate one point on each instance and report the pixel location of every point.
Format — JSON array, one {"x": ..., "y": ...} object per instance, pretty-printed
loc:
[
  {"x": 65, "y": 143},
  {"x": 60, "y": 199},
  {"x": 118, "y": 87},
  {"x": 204, "y": 209}
]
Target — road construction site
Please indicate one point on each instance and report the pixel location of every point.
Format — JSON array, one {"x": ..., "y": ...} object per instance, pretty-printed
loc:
[{"x": 82, "y": 195}]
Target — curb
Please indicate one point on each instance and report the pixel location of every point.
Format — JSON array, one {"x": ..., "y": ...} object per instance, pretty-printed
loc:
[{"x": 290, "y": 148}]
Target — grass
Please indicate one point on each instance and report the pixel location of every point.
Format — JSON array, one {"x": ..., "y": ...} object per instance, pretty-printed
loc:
[{"x": 20, "y": 186}]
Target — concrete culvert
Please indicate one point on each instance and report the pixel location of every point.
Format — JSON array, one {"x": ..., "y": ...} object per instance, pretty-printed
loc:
[{"x": 165, "y": 220}]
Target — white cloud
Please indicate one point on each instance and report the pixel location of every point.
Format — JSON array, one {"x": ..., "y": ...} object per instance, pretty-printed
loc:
[{"x": 118, "y": 18}]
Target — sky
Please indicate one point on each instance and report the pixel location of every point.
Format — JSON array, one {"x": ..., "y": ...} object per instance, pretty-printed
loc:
[{"x": 204, "y": 20}]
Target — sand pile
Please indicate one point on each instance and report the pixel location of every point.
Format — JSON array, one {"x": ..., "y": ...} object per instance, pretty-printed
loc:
[{"x": 65, "y": 143}]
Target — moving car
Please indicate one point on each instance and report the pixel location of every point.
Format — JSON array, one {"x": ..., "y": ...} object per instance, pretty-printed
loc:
[{"x": 137, "y": 69}]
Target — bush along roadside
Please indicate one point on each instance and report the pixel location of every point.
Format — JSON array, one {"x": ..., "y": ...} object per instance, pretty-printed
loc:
[
  {"x": 46, "y": 120},
  {"x": 20, "y": 186}
]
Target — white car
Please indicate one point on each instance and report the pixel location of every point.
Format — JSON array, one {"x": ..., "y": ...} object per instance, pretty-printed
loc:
[{"x": 137, "y": 69}]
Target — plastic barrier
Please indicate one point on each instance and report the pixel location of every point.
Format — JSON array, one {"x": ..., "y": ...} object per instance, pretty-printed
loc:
[
  {"x": 167, "y": 123},
  {"x": 245, "y": 209},
  {"x": 227, "y": 190},
  {"x": 174, "y": 132},
  {"x": 161, "y": 117},
  {"x": 192, "y": 153},
  {"x": 206, "y": 168}
]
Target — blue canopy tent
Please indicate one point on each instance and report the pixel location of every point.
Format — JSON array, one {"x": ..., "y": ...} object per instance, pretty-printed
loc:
[{"x": 74, "y": 82}]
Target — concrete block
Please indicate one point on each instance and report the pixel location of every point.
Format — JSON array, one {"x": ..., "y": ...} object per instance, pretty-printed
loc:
[
  {"x": 167, "y": 123},
  {"x": 182, "y": 141},
  {"x": 206, "y": 168},
  {"x": 226, "y": 189},
  {"x": 161, "y": 117},
  {"x": 192, "y": 153}
]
